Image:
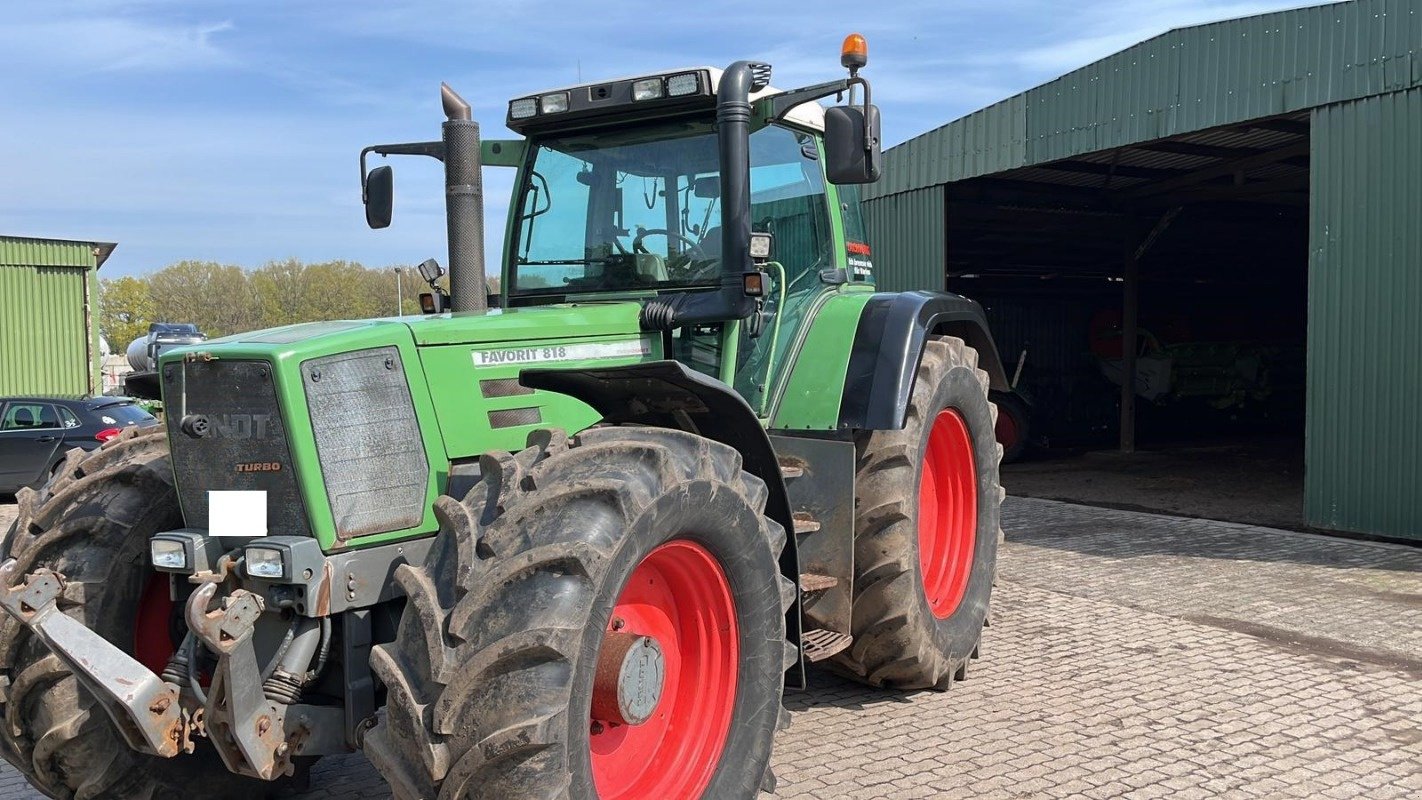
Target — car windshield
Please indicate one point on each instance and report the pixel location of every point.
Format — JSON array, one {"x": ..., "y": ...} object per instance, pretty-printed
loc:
[{"x": 640, "y": 209}]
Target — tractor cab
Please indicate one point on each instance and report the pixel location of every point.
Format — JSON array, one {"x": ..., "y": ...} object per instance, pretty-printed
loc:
[{"x": 723, "y": 206}]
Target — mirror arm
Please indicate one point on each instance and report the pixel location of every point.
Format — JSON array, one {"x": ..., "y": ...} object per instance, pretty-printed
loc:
[
  {"x": 431, "y": 149},
  {"x": 781, "y": 104},
  {"x": 855, "y": 80}
]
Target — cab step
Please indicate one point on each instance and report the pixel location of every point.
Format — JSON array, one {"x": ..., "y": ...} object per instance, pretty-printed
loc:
[
  {"x": 819, "y": 644},
  {"x": 805, "y": 522},
  {"x": 810, "y": 582},
  {"x": 791, "y": 468}
]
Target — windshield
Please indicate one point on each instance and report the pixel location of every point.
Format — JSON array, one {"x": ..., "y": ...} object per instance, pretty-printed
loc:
[{"x": 638, "y": 210}]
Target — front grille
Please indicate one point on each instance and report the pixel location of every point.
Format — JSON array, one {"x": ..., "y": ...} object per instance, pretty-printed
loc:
[
  {"x": 368, "y": 441},
  {"x": 245, "y": 446}
]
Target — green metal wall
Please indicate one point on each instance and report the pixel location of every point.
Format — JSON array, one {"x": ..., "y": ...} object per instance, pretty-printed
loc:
[
  {"x": 906, "y": 232},
  {"x": 45, "y": 345},
  {"x": 1364, "y": 445},
  {"x": 1185, "y": 80}
]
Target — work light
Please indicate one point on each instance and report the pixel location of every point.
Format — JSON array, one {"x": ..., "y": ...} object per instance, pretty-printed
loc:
[
  {"x": 553, "y": 103},
  {"x": 523, "y": 108},
  {"x": 647, "y": 89},
  {"x": 683, "y": 84}
]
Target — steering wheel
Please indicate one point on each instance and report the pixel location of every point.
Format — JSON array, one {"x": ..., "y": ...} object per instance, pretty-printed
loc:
[{"x": 693, "y": 247}]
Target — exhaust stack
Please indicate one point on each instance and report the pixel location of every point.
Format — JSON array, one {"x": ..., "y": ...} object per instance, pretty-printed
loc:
[{"x": 464, "y": 204}]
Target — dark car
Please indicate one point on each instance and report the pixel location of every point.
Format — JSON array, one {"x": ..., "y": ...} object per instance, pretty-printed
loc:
[{"x": 36, "y": 432}]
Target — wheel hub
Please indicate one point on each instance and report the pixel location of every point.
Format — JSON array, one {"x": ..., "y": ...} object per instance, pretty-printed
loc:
[{"x": 631, "y": 673}]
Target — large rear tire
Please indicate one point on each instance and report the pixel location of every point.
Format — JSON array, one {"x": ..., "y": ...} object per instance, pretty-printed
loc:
[
  {"x": 927, "y": 503},
  {"x": 91, "y": 523},
  {"x": 505, "y": 667}
]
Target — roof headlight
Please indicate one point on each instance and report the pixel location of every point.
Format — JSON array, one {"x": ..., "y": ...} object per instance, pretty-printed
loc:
[
  {"x": 523, "y": 108},
  {"x": 647, "y": 89},
  {"x": 553, "y": 103},
  {"x": 683, "y": 84}
]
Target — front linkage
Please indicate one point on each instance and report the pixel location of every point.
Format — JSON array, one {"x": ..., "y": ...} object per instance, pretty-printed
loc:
[
  {"x": 255, "y": 735},
  {"x": 146, "y": 709}
]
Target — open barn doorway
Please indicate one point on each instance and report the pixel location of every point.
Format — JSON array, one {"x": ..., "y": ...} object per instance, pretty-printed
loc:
[{"x": 1178, "y": 267}]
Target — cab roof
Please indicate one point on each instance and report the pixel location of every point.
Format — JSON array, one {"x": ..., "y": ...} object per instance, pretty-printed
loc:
[{"x": 809, "y": 115}]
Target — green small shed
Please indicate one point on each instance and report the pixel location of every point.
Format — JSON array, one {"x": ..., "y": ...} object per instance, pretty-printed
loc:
[{"x": 49, "y": 336}]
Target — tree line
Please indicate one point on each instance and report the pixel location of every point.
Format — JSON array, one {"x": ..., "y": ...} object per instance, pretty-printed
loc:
[{"x": 222, "y": 299}]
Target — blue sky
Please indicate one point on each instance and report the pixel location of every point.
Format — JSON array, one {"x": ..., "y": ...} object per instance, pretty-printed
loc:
[{"x": 228, "y": 131}]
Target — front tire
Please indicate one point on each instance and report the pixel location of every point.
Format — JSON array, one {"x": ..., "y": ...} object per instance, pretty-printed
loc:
[
  {"x": 926, "y": 503},
  {"x": 501, "y": 683}
]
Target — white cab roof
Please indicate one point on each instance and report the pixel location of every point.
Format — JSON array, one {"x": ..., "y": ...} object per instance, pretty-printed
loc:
[{"x": 810, "y": 115}]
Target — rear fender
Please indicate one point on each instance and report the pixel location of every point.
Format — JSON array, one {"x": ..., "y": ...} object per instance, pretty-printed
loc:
[
  {"x": 666, "y": 394},
  {"x": 888, "y": 344}
]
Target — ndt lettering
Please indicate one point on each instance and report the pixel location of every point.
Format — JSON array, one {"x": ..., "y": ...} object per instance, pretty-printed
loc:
[{"x": 240, "y": 426}]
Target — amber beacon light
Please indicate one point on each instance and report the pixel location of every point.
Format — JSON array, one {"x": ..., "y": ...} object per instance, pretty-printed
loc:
[{"x": 854, "y": 53}]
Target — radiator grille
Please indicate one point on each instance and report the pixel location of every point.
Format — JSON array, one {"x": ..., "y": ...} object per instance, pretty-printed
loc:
[
  {"x": 368, "y": 441},
  {"x": 246, "y": 445}
]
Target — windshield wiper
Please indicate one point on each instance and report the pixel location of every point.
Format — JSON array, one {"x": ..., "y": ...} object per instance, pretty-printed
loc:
[{"x": 562, "y": 262}]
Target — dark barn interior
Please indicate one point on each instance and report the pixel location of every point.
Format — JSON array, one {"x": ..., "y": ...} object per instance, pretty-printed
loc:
[{"x": 1195, "y": 247}]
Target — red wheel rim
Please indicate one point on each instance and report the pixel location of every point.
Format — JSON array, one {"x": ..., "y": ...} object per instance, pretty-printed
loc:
[
  {"x": 947, "y": 513},
  {"x": 680, "y": 597},
  {"x": 152, "y": 643},
  {"x": 1006, "y": 429}
]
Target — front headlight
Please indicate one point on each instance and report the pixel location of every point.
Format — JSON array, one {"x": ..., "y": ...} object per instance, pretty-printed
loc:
[
  {"x": 168, "y": 554},
  {"x": 266, "y": 562}
]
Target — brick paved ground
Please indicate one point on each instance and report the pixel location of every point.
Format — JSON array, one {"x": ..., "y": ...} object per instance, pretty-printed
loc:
[{"x": 1131, "y": 655}]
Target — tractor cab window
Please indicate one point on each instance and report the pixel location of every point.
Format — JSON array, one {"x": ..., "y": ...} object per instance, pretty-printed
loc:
[{"x": 639, "y": 210}]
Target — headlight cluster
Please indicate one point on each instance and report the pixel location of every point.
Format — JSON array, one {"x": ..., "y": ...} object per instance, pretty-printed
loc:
[
  {"x": 681, "y": 84},
  {"x": 551, "y": 103}
]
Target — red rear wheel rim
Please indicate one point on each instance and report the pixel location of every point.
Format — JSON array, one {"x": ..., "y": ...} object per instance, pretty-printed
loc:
[
  {"x": 1006, "y": 428},
  {"x": 152, "y": 643},
  {"x": 947, "y": 513},
  {"x": 679, "y": 596}
]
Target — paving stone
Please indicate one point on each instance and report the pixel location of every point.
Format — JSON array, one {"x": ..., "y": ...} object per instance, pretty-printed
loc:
[{"x": 1131, "y": 655}]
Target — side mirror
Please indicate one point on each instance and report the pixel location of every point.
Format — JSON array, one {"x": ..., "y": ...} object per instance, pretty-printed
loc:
[
  {"x": 852, "y": 152},
  {"x": 379, "y": 195}
]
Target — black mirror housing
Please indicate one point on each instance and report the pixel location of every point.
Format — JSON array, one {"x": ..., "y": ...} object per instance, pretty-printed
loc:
[
  {"x": 379, "y": 195},
  {"x": 852, "y": 144}
]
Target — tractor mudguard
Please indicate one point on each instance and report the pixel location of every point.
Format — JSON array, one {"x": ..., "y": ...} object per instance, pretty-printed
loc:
[
  {"x": 666, "y": 394},
  {"x": 888, "y": 343}
]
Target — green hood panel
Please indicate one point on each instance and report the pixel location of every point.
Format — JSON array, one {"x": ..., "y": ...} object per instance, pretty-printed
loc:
[{"x": 532, "y": 323}]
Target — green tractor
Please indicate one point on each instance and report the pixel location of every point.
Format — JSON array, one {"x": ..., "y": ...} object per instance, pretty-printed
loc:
[{"x": 573, "y": 539}]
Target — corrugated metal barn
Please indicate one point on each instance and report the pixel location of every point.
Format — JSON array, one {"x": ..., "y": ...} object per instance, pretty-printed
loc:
[
  {"x": 49, "y": 339},
  {"x": 1233, "y": 211}
]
